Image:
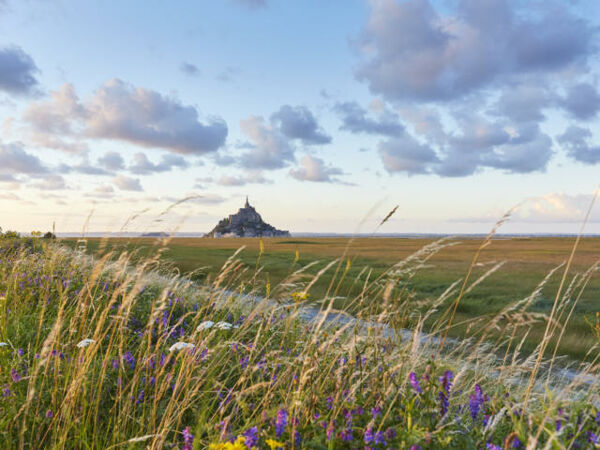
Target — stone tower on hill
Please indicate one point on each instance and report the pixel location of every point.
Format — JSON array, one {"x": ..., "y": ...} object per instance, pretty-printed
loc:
[{"x": 245, "y": 223}]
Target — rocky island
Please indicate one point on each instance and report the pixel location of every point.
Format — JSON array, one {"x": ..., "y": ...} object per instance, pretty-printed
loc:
[{"x": 245, "y": 223}]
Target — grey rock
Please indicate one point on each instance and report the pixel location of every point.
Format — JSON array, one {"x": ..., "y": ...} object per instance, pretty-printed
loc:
[{"x": 245, "y": 223}]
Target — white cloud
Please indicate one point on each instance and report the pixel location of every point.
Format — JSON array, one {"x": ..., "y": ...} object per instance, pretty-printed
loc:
[
  {"x": 51, "y": 183},
  {"x": 14, "y": 160},
  {"x": 127, "y": 184},
  {"x": 315, "y": 169},
  {"x": 143, "y": 166},
  {"x": 242, "y": 180},
  {"x": 123, "y": 112},
  {"x": 271, "y": 151}
]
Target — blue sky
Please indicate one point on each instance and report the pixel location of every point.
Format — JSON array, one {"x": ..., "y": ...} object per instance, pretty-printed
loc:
[{"x": 327, "y": 114}]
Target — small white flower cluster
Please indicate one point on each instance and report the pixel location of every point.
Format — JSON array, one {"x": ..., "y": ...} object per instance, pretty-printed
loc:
[
  {"x": 176, "y": 346},
  {"x": 205, "y": 325},
  {"x": 220, "y": 325},
  {"x": 181, "y": 345},
  {"x": 85, "y": 342}
]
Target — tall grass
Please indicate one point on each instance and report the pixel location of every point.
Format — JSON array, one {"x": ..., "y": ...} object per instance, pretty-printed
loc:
[{"x": 101, "y": 352}]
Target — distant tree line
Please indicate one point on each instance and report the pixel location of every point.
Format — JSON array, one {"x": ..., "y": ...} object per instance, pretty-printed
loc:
[{"x": 9, "y": 234}]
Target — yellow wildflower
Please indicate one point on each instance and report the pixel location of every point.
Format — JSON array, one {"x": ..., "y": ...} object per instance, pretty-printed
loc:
[
  {"x": 299, "y": 296},
  {"x": 273, "y": 444},
  {"x": 239, "y": 444}
]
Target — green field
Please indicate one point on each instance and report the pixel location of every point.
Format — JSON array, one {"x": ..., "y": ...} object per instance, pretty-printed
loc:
[{"x": 526, "y": 262}]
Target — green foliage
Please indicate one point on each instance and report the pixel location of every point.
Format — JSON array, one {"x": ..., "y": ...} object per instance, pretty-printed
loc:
[
  {"x": 104, "y": 352},
  {"x": 10, "y": 235}
]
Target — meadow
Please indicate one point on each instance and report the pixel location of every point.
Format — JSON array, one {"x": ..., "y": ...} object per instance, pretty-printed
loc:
[
  {"x": 105, "y": 348},
  {"x": 525, "y": 263}
]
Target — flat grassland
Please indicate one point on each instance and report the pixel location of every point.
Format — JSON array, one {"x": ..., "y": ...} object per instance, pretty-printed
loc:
[{"x": 527, "y": 261}]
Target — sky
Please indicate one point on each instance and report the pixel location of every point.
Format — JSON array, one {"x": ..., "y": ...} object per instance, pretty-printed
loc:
[{"x": 326, "y": 114}]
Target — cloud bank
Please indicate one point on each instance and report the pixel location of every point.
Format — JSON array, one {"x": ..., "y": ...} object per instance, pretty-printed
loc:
[{"x": 123, "y": 112}]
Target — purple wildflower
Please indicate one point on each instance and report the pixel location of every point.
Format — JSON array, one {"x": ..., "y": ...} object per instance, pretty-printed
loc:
[
  {"x": 593, "y": 438},
  {"x": 297, "y": 438},
  {"x": 49, "y": 414},
  {"x": 446, "y": 381},
  {"x": 5, "y": 391},
  {"x": 15, "y": 376},
  {"x": 358, "y": 411},
  {"x": 188, "y": 439},
  {"x": 348, "y": 416},
  {"x": 379, "y": 438},
  {"x": 203, "y": 354},
  {"x": 490, "y": 446},
  {"x": 390, "y": 434},
  {"x": 329, "y": 401},
  {"x": 281, "y": 422},
  {"x": 251, "y": 435},
  {"x": 414, "y": 382},
  {"x": 443, "y": 403},
  {"x": 558, "y": 425},
  {"x": 368, "y": 437},
  {"x": 346, "y": 435},
  {"x": 475, "y": 401},
  {"x": 375, "y": 412},
  {"x": 129, "y": 359}
]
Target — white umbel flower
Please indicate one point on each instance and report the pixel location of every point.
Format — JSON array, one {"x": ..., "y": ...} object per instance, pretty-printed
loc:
[
  {"x": 224, "y": 325},
  {"x": 205, "y": 325},
  {"x": 181, "y": 346},
  {"x": 85, "y": 342},
  {"x": 3, "y": 344}
]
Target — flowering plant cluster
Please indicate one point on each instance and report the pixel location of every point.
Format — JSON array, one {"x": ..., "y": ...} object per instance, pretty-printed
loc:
[{"x": 116, "y": 357}]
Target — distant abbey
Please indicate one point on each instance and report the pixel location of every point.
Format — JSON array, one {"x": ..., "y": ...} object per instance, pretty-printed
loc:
[{"x": 245, "y": 223}]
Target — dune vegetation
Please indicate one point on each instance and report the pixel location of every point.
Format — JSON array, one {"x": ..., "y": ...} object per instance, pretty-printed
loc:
[{"x": 115, "y": 351}]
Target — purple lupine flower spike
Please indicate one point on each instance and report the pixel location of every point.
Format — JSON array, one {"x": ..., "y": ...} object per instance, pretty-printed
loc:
[
  {"x": 188, "y": 439},
  {"x": 281, "y": 422},
  {"x": 476, "y": 401},
  {"x": 414, "y": 382},
  {"x": 251, "y": 435}
]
